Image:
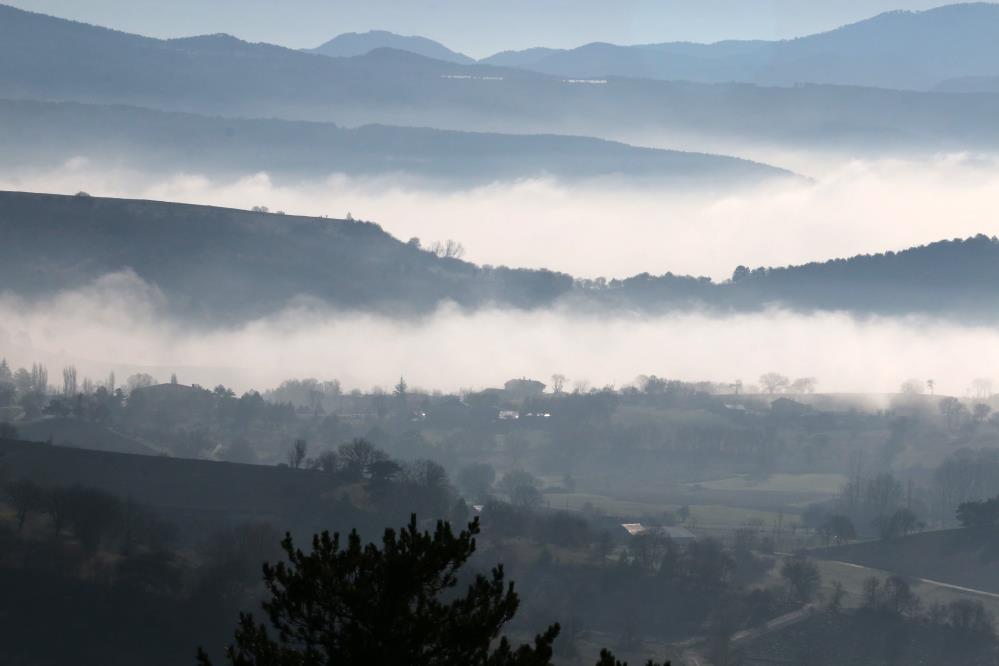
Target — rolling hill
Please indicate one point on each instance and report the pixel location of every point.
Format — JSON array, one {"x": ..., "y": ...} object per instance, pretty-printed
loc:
[
  {"x": 48, "y": 133},
  {"x": 221, "y": 265}
]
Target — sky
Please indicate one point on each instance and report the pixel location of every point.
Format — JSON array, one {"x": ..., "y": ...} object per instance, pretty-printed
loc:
[{"x": 476, "y": 27}]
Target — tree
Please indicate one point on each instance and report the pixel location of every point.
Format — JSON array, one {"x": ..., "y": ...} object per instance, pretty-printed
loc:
[
  {"x": 980, "y": 412},
  {"x": 139, "y": 380},
  {"x": 399, "y": 392},
  {"x": 477, "y": 480},
  {"x": 773, "y": 382},
  {"x": 358, "y": 455},
  {"x": 839, "y": 528},
  {"x": 981, "y": 388},
  {"x": 449, "y": 249},
  {"x": 297, "y": 454},
  {"x": 979, "y": 514},
  {"x": 804, "y": 385},
  {"x": 953, "y": 411},
  {"x": 558, "y": 384},
  {"x": 396, "y": 604},
  {"x": 24, "y": 496},
  {"x": 69, "y": 382},
  {"x": 802, "y": 577},
  {"x": 521, "y": 488},
  {"x": 93, "y": 513},
  {"x": 328, "y": 462},
  {"x": 900, "y": 523}
]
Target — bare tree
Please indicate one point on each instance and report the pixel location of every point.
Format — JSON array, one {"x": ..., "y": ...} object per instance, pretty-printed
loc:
[
  {"x": 69, "y": 381},
  {"x": 449, "y": 249},
  {"x": 39, "y": 378},
  {"x": 773, "y": 382},
  {"x": 558, "y": 383},
  {"x": 297, "y": 454},
  {"x": 804, "y": 385},
  {"x": 981, "y": 388}
]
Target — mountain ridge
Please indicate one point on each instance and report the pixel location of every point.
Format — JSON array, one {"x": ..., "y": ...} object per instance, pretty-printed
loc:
[
  {"x": 58, "y": 60},
  {"x": 867, "y": 52}
]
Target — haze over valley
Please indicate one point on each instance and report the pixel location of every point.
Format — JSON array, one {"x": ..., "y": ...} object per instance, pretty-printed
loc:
[{"x": 690, "y": 329}]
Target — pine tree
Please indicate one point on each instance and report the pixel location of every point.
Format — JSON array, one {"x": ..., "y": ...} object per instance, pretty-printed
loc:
[{"x": 390, "y": 605}]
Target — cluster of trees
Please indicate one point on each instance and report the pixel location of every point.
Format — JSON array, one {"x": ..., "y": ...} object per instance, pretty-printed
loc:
[
  {"x": 773, "y": 382},
  {"x": 965, "y": 477},
  {"x": 877, "y": 503},
  {"x": 90, "y": 515},
  {"x": 983, "y": 513},
  {"x": 894, "y": 596}
]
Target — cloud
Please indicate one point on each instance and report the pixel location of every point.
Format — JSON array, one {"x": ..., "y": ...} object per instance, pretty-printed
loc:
[
  {"x": 611, "y": 227},
  {"x": 114, "y": 324}
]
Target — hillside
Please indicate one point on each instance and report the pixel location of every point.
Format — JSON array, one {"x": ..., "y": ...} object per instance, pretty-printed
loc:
[
  {"x": 47, "y": 58},
  {"x": 900, "y": 50},
  {"x": 196, "y": 486},
  {"x": 221, "y": 264},
  {"x": 81, "y": 434},
  {"x": 352, "y": 44},
  {"x": 48, "y": 133},
  {"x": 965, "y": 557}
]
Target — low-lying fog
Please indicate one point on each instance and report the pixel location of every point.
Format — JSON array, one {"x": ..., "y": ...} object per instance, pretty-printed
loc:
[
  {"x": 610, "y": 227},
  {"x": 114, "y": 324}
]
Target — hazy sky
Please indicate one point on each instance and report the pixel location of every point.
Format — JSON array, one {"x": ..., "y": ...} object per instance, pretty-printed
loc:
[{"x": 476, "y": 27}]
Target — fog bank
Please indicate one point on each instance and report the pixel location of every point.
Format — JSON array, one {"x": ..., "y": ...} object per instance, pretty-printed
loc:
[
  {"x": 114, "y": 324},
  {"x": 611, "y": 227}
]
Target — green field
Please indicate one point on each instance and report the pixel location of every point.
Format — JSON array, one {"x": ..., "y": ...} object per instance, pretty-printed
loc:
[
  {"x": 710, "y": 516},
  {"x": 852, "y": 578},
  {"x": 781, "y": 483}
]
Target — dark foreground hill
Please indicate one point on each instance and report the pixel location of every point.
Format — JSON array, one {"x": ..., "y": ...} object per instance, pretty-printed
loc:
[
  {"x": 47, "y": 134},
  {"x": 42, "y": 57},
  {"x": 224, "y": 265},
  {"x": 186, "y": 489}
]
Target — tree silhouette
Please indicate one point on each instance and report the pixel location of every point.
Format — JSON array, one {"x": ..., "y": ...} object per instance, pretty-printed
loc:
[{"x": 391, "y": 605}]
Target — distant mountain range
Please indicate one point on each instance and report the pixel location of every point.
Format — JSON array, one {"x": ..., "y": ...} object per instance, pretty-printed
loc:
[
  {"x": 899, "y": 50},
  {"x": 48, "y": 133},
  {"x": 52, "y": 59},
  {"x": 223, "y": 265},
  {"x": 352, "y": 44}
]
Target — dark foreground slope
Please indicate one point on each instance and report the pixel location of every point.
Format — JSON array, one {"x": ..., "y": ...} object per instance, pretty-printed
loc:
[
  {"x": 47, "y": 134},
  {"x": 198, "y": 490},
  {"x": 43, "y": 57},
  {"x": 223, "y": 264}
]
